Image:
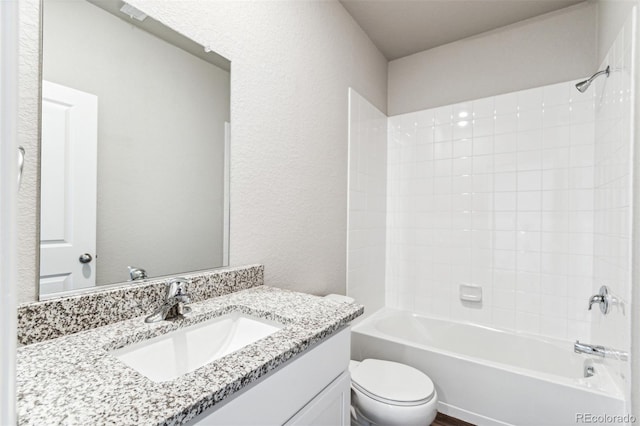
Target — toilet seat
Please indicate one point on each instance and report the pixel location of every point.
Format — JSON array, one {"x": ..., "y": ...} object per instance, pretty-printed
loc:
[{"x": 392, "y": 383}]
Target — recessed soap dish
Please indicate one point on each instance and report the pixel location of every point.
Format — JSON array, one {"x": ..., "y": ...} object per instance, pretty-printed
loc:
[{"x": 470, "y": 293}]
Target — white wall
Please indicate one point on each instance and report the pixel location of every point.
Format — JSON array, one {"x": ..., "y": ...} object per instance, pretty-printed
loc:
[
  {"x": 161, "y": 115},
  {"x": 366, "y": 243},
  {"x": 552, "y": 48},
  {"x": 497, "y": 193},
  {"x": 292, "y": 63}
]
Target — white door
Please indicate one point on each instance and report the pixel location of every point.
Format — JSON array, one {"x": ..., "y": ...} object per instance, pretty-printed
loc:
[{"x": 68, "y": 189}]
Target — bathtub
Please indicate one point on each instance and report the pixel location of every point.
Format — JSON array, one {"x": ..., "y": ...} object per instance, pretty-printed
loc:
[{"x": 491, "y": 377}]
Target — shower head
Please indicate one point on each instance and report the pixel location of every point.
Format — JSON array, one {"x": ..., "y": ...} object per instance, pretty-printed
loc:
[{"x": 584, "y": 85}]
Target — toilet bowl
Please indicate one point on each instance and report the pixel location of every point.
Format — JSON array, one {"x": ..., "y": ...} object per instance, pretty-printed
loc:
[{"x": 390, "y": 393}]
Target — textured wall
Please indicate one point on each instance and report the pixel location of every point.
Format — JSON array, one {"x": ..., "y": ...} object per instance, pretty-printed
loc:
[
  {"x": 28, "y": 131},
  {"x": 292, "y": 63},
  {"x": 367, "y": 203},
  {"x": 552, "y": 48}
]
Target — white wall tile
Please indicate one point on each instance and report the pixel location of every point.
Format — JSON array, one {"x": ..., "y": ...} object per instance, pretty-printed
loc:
[
  {"x": 483, "y": 107},
  {"x": 557, "y": 115},
  {"x": 530, "y": 120},
  {"x": 530, "y": 180},
  {"x": 462, "y": 129},
  {"x": 508, "y": 201},
  {"x": 556, "y": 94},
  {"x": 555, "y": 158},
  {"x": 462, "y": 148},
  {"x": 482, "y": 145},
  {"x": 442, "y": 132},
  {"x": 504, "y": 143},
  {"x": 530, "y": 100},
  {"x": 556, "y": 137},
  {"x": 506, "y": 104},
  {"x": 483, "y": 126},
  {"x": 505, "y": 124},
  {"x": 530, "y": 139},
  {"x": 442, "y": 115}
]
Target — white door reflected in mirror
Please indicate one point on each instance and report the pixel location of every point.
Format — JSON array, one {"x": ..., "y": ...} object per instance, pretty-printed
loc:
[{"x": 68, "y": 188}]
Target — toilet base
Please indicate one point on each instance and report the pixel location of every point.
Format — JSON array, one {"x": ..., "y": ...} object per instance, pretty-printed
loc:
[
  {"x": 357, "y": 419},
  {"x": 389, "y": 415}
]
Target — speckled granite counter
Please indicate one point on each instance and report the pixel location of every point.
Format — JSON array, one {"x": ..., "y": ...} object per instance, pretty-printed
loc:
[{"x": 73, "y": 380}]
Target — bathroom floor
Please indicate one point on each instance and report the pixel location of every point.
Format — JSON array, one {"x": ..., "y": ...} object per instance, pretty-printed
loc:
[{"x": 444, "y": 420}]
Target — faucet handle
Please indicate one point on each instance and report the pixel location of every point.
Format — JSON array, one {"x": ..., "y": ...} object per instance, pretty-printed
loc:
[
  {"x": 603, "y": 298},
  {"x": 595, "y": 299},
  {"x": 176, "y": 287},
  {"x": 182, "y": 296},
  {"x": 136, "y": 273}
]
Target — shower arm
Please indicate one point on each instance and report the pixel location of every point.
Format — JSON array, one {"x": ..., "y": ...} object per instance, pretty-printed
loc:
[{"x": 584, "y": 85}]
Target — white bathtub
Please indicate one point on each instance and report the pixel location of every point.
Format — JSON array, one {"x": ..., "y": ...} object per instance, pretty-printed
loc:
[{"x": 491, "y": 377}]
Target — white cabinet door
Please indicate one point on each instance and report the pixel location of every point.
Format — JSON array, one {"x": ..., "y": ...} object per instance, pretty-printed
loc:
[
  {"x": 68, "y": 188},
  {"x": 330, "y": 408}
]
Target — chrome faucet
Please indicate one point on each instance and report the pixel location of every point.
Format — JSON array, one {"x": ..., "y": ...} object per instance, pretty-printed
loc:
[
  {"x": 601, "y": 351},
  {"x": 603, "y": 298},
  {"x": 174, "y": 302},
  {"x": 136, "y": 273}
]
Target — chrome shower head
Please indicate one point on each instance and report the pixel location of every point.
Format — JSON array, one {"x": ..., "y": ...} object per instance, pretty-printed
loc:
[{"x": 584, "y": 85}]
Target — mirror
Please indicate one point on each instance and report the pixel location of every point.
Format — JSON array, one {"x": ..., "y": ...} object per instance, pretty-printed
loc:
[{"x": 134, "y": 149}]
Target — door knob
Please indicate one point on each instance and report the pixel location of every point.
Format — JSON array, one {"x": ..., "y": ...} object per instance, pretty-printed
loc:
[{"x": 85, "y": 258}]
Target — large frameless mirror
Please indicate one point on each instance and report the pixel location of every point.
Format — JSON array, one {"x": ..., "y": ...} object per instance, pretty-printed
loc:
[{"x": 134, "y": 149}]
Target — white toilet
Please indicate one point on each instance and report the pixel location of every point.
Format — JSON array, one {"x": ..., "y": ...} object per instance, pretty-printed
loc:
[{"x": 390, "y": 393}]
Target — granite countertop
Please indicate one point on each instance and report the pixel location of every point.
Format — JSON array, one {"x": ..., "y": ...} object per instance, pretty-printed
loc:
[{"x": 73, "y": 380}]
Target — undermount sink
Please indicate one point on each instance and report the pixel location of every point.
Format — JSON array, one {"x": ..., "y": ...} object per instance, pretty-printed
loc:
[{"x": 171, "y": 355}]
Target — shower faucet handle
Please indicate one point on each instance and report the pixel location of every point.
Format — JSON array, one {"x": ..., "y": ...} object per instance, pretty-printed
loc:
[{"x": 603, "y": 298}]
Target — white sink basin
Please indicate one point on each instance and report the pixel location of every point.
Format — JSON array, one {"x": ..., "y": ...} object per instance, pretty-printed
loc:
[{"x": 171, "y": 355}]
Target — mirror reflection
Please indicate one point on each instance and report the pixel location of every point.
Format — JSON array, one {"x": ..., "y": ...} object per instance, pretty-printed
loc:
[{"x": 134, "y": 149}]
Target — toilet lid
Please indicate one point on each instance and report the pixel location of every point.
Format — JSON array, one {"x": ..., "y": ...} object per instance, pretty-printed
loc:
[{"x": 392, "y": 382}]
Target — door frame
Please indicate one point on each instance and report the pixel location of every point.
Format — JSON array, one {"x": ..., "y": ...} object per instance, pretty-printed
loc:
[{"x": 9, "y": 197}]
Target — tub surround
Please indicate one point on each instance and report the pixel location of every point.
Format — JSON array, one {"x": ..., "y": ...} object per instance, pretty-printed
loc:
[
  {"x": 489, "y": 376},
  {"x": 74, "y": 379},
  {"x": 49, "y": 319}
]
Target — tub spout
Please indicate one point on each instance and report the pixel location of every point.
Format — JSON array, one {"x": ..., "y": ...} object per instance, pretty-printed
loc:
[
  {"x": 601, "y": 351},
  {"x": 584, "y": 348}
]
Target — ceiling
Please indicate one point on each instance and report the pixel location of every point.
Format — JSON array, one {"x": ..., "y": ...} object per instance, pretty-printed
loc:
[
  {"x": 403, "y": 27},
  {"x": 163, "y": 32}
]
